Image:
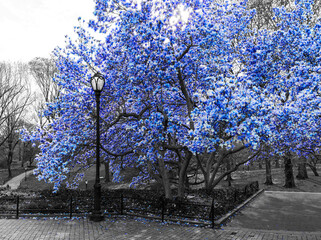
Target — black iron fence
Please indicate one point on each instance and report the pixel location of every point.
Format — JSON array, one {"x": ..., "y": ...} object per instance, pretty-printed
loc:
[{"x": 129, "y": 203}]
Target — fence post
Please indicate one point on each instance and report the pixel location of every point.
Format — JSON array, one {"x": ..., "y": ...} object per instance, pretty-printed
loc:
[
  {"x": 121, "y": 204},
  {"x": 70, "y": 207},
  {"x": 163, "y": 208},
  {"x": 17, "y": 209},
  {"x": 212, "y": 213}
]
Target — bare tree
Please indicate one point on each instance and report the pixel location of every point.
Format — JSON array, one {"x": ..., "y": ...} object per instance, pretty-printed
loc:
[
  {"x": 43, "y": 71},
  {"x": 265, "y": 17},
  {"x": 15, "y": 97}
]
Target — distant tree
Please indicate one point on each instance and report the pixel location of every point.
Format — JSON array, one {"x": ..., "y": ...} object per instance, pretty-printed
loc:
[
  {"x": 265, "y": 155},
  {"x": 290, "y": 53},
  {"x": 312, "y": 162},
  {"x": 302, "y": 170},
  {"x": 43, "y": 71},
  {"x": 15, "y": 98},
  {"x": 311, "y": 158},
  {"x": 27, "y": 150}
]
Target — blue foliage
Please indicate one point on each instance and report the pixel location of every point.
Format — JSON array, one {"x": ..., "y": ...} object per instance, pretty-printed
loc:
[{"x": 182, "y": 75}]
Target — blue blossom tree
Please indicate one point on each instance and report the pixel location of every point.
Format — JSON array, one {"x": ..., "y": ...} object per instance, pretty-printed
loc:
[
  {"x": 288, "y": 56},
  {"x": 186, "y": 82}
]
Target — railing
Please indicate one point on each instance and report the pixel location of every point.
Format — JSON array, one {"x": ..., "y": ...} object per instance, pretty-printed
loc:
[{"x": 114, "y": 203}]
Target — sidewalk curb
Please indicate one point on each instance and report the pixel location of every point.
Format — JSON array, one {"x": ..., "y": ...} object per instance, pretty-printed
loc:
[
  {"x": 279, "y": 232},
  {"x": 223, "y": 219}
]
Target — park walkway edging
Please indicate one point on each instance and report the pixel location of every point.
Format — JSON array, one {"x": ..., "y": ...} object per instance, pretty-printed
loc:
[{"x": 223, "y": 219}]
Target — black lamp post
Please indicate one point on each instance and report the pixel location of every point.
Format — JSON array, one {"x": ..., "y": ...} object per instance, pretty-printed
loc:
[{"x": 97, "y": 83}]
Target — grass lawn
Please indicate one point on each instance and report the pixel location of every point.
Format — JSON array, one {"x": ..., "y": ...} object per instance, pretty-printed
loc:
[{"x": 33, "y": 184}]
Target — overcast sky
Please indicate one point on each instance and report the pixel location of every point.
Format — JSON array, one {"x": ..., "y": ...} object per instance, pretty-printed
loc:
[{"x": 32, "y": 28}]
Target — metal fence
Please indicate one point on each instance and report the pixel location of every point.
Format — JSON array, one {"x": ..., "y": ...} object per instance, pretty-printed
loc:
[{"x": 122, "y": 203}]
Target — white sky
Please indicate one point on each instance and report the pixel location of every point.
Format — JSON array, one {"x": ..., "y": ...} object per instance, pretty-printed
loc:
[{"x": 33, "y": 28}]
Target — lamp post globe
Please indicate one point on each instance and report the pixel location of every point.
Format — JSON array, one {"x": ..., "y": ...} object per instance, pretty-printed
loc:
[{"x": 97, "y": 83}]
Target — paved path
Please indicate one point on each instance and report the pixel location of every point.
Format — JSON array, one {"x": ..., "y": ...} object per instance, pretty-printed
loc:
[
  {"x": 122, "y": 228},
  {"x": 14, "y": 183},
  {"x": 291, "y": 211}
]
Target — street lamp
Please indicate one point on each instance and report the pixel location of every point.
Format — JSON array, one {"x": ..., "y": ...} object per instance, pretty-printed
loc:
[{"x": 97, "y": 83}]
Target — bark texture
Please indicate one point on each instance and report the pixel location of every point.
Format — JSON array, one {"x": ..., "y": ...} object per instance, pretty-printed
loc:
[
  {"x": 268, "y": 172},
  {"x": 314, "y": 170},
  {"x": 302, "y": 171},
  {"x": 107, "y": 177},
  {"x": 288, "y": 172}
]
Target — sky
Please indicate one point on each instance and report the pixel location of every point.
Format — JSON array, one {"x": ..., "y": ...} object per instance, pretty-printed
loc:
[{"x": 33, "y": 28}]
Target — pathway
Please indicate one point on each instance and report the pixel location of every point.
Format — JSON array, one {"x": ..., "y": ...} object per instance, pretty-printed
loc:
[
  {"x": 122, "y": 228},
  {"x": 291, "y": 211},
  {"x": 14, "y": 183}
]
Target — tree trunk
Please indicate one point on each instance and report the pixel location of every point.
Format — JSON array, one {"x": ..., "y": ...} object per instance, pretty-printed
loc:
[
  {"x": 268, "y": 172},
  {"x": 288, "y": 172},
  {"x": 277, "y": 163},
  {"x": 229, "y": 178},
  {"x": 207, "y": 186},
  {"x": 260, "y": 164},
  {"x": 195, "y": 181},
  {"x": 165, "y": 177},
  {"x": 302, "y": 171},
  {"x": 107, "y": 178},
  {"x": 186, "y": 181},
  {"x": 30, "y": 161},
  {"x": 183, "y": 180},
  {"x": 9, "y": 159},
  {"x": 9, "y": 169},
  {"x": 21, "y": 149},
  {"x": 314, "y": 170}
]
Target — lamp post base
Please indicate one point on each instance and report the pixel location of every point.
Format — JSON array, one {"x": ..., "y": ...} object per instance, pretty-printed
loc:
[{"x": 96, "y": 217}]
